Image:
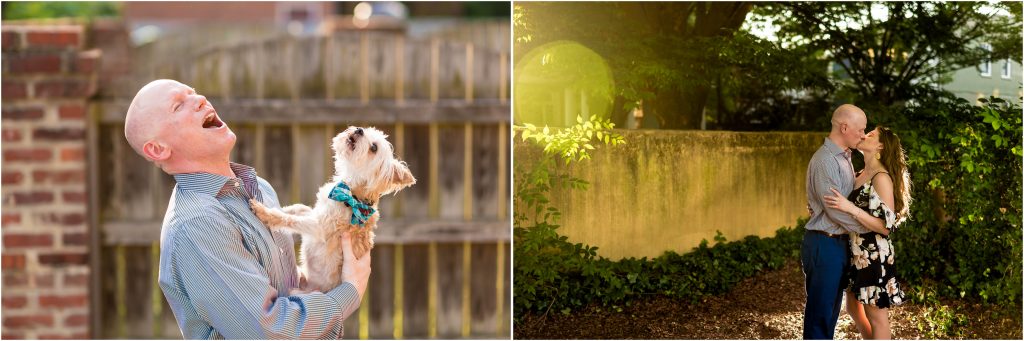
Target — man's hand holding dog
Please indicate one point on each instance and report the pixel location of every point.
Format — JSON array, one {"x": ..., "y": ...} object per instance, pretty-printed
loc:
[{"x": 354, "y": 270}]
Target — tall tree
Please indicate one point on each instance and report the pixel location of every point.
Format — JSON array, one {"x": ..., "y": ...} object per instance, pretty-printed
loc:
[
  {"x": 892, "y": 52},
  {"x": 660, "y": 52}
]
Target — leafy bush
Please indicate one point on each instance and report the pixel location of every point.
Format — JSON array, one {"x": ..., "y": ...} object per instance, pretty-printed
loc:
[
  {"x": 965, "y": 228},
  {"x": 554, "y": 274},
  {"x": 939, "y": 320}
]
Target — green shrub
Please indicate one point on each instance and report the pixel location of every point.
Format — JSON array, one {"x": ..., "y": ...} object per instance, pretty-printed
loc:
[
  {"x": 554, "y": 274},
  {"x": 965, "y": 164}
]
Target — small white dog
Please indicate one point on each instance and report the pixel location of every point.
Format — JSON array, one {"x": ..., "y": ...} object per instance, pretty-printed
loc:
[{"x": 365, "y": 169}]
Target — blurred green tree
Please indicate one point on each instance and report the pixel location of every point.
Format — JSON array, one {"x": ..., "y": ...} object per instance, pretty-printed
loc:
[
  {"x": 15, "y": 10},
  {"x": 683, "y": 60},
  {"x": 892, "y": 52}
]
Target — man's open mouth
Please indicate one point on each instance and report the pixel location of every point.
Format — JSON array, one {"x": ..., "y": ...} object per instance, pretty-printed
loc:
[{"x": 212, "y": 121}]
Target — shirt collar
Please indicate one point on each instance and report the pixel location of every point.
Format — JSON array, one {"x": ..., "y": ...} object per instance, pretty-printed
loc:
[
  {"x": 212, "y": 184},
  {"x": 835, "y": 150}
]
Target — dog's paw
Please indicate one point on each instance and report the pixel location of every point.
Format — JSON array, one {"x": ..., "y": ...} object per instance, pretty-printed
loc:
[
  {"x": 297, "y": 209},
  {"x": 262, "y": 212}
]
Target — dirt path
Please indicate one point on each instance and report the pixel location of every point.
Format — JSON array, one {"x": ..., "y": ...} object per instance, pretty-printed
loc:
[{"x": 766, "y": 306}]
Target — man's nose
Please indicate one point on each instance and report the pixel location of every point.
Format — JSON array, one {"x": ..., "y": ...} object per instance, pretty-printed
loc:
[
  {"x": 201, "y": 101},
  {"x": 359, "y": 131}
]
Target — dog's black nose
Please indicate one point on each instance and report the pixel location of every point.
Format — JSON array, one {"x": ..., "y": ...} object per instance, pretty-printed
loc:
[{"x": 359, "y": 131}]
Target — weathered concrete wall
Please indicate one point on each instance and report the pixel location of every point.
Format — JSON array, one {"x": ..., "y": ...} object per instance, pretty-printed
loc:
[{"x": 667, "y": 190}]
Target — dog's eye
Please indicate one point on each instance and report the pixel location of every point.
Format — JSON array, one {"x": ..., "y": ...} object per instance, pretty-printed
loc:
[{"x": 373, "y": 148}]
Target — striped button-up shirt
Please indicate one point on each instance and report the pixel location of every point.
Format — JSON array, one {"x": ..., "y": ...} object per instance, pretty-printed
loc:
[
  {"x": 830, "y": 167},
  {"x": 226, "y": 275}
]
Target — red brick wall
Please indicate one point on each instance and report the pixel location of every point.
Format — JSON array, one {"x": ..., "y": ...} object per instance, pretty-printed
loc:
[{"x": 45, "y": 249}]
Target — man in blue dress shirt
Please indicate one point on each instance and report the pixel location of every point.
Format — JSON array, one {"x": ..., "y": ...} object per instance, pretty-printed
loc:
[
  {"x": 824, "y": 254},
  {"x": 223, "y": 272}
]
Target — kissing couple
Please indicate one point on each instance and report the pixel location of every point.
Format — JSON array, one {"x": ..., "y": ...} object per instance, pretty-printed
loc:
[{"x": 847, "y": 247}]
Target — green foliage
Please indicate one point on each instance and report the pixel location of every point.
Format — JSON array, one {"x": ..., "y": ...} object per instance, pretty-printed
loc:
[
  {"x": 888, "y": 50},
  {"x": 570, "y": 144},
  {"x": 942, "y": 323},
  {"x": 965, "y": 228},
  {"x": 573, "y": 143},
  {"x": 59, "y": 9},
  {"x": 532, "y": 205},
  {"x": 554, "y": 274},
  {"x": 677, "y": 57},
  {"x": 939, "y": 320}
]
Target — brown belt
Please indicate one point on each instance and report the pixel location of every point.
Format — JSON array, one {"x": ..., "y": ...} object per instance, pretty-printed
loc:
[{"x": 836, "y": 236}]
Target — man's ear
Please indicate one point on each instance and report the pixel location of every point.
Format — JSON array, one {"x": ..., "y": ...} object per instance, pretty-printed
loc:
[
  {"x": 156, "y": 151},
  {"x": 401, "y": 177}
]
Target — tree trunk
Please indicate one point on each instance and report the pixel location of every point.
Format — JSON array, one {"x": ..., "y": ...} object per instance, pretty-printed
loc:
[
  {"x": 619, "y": 116},
  {"x": 681, "y": 109}
]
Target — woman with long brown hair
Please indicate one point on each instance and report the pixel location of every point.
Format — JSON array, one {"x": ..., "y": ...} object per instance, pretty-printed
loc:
[{"x": 880, "y": 201}]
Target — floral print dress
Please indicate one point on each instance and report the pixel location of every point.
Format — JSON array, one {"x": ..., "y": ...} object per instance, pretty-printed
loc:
[{"x": 872, "y": 274}]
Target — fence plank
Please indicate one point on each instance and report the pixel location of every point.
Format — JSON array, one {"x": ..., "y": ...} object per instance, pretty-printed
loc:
[
  {"x": 115, "y": 207},
  {"x": 156, "y": 296},
  {"x": 400, "y": 71},
  {"x": 245, "y": 145},
  {"x": 296, "y": 163},
  {"x": 364, "y": 68},
  {"x": 499, "y": 289},
  {"x": 432, "y": 291},
  {"x": 450, "y": 199},
  {"x": 469, "y": 73},
  {"x": 316, "y": 158},
  {"x": 399, "y": 146},
  {"x": 484, "y": 170},
  {"x": 364, "y": 316},
  {"x": 484, "y": 268},
  {"x": 503, "y": 78},
  {"x": 121, "y": 291},
  {"x": 93, "y": 135},
  {"x": 381, "y": 312},
  {"x": 277, "y": 164},
  {"x": 435, "y": 66},
  {"x": 433, "y": 198},
  {"x": 467, "y": 172},
  {"x": 467, "y": 271},
  {"x": 502, "y": 181},
  {"x": 449, "y": 319},
  {"x": 399, "y": 279},
  {"x": 329, "y": 134},
  {"x": 415, "y": 277}
]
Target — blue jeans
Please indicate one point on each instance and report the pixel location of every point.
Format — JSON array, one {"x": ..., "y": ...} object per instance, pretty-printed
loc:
[{"x": 824, "y": 261}]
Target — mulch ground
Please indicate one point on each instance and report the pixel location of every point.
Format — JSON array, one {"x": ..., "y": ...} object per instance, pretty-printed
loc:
[{"x": 766, "y": 306}]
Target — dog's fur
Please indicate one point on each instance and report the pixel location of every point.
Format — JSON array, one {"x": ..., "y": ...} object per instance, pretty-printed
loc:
[{"x": 370, "y": 175}]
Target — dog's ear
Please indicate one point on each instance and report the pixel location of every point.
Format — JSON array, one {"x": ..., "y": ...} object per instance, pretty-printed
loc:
[{"x": 400, "y": 177}]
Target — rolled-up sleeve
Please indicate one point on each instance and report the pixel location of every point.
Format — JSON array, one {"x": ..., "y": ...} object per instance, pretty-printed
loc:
[
  {"x": 825, "y": 174},
  {"x": 229, "y": 289}
]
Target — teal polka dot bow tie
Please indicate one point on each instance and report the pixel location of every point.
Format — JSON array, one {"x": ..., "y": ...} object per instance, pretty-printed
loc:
[{"x": 361, "y": 211}]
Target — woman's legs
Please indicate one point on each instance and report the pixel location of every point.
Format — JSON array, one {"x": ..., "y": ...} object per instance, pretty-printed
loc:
[
  {"x": 856, "y": 311},
  {"x": 879, "y": 318}
]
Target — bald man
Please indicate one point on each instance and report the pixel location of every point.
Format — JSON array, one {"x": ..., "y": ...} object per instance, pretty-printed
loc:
[
  {"x": 824, "y": 253},
  {"x": 223, "y": 272}
]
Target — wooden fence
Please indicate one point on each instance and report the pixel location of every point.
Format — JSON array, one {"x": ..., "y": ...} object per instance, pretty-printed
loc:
[{"x": 441, "y": 264}]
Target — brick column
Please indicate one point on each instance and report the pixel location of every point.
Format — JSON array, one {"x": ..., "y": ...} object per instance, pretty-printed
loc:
[{"x": 46, "y": 82}]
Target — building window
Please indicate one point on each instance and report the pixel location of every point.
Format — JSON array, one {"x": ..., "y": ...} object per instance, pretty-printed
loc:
[
  {"x": 986, "y": 65},
  {"x": 1006, "y": 69}
]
